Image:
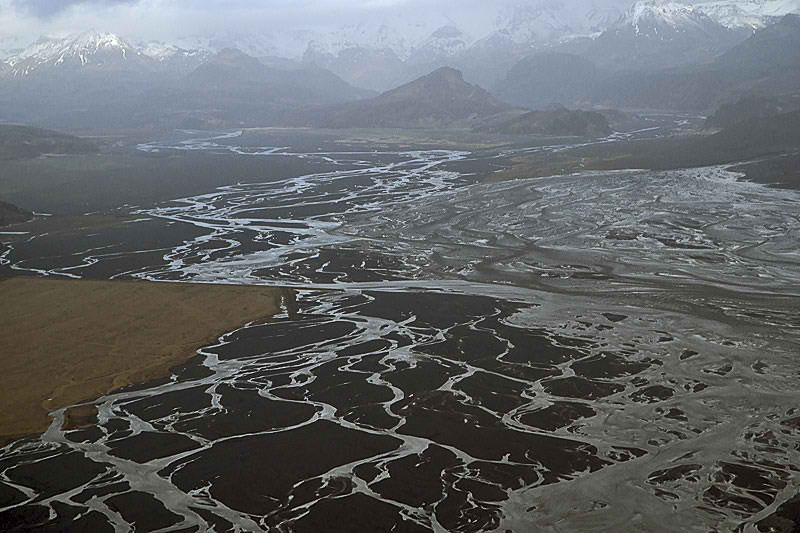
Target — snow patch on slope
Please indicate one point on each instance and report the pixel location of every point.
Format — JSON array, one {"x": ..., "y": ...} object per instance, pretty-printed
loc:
[
  {"x": 77, "y": 50},
  {"x": 748, "y": 13}
]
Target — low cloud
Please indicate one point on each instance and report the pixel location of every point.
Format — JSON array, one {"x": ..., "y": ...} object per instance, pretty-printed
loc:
[
  {"x": 141, "y": 20},
  {"x": 51, "y": 8}
]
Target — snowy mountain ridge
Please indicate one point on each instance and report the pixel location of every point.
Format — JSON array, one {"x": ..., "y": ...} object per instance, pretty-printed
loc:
[
  {"x": 544, "y": 22},
  {"x": 747, "y": 13},
  {"x": 732, "y": 14},
  {"x": 165, "y": 52},
  {"x": 446, "y": 42},
  {"x": 520, "y": 25},
  {"x": 649, "y": 17},
  {"x": 90, "y": 48},
  {"x": 400, "y": 37}
]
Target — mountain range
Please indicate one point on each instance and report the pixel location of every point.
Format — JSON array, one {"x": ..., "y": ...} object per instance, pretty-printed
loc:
[
  {"x": 660, "y": 32},
  {"x": 767, "y": 63},
  {"x": 657, "y": 54},
  {"x": 403, "y": 45}
]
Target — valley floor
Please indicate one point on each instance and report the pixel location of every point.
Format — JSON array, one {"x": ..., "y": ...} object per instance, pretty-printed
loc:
[{"x": 598, "y": 350}]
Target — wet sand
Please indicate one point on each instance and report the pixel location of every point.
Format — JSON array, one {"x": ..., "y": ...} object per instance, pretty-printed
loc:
[{"x": 67, "y": 341}]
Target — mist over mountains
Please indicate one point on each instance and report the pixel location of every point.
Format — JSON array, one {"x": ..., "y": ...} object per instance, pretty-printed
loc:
[{"x": 654, "y": 54}]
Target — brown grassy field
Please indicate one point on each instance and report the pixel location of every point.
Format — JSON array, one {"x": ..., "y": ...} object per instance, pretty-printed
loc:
[{"x": 67, "y": 341}]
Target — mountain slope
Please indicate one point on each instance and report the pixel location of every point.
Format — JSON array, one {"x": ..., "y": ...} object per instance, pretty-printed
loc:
[
  {"x": 369, "y": 68},
  {"x": 443, "y": 44},
  {"x": 227, "y": 89},
  {"x": 439, "y": 99},
  {"x": 767, "y": 63},
  {"x": 173, "y": 59},
  {"x": 547, "y": 78},
  {"x": 752, "y": 108},
  {"x": 658, "y": 34},
  {"x": 628, "y": 61},
  {"x": 57, "y": 81},
  {"x": 233, "y": 89},
  {"x": 774, "y": 48},
  {"x": 235, "y": 73}
]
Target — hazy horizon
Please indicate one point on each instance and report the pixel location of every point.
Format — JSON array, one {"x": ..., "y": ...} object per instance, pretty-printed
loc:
[{"x": 22, "y": 22}]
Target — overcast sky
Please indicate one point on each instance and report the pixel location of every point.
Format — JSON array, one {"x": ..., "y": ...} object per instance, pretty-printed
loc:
[{"x": 153, "y": 19}]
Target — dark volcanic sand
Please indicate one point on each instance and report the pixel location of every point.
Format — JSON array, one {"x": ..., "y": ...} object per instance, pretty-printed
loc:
[{"x": 598, "y": 352}]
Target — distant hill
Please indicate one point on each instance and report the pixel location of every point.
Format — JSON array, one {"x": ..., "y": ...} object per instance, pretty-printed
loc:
[
  {"x": 756, "y": 137},
  {"x": 23, "y": 142},
  {"x": 11, "y": 214},
  {"x": 772, "y": 48},
  {"x": 439, "y": 99},
  {"x": 559, "y": 121},
  {"x": 752, "y": 108}
]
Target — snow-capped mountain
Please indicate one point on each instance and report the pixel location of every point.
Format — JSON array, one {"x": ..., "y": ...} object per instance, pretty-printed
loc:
[
  {"x": 664, "y": 20},
  {"x": 370, "y": 54},
  {"x": 398, "y": 36},
  {"x": 379, "y": 53},
  {"x": 532, "y": 23},
  {"x": 525, "y": 28},
  {"x": 543, "y": 22},
  {"x": 164, "y": 52},
  {"x": 657, "y": 34},
  {"x": 174, "y": 59},
  {"x": 747, "y": 13},
  {"x": 444, "y": 43},
  {"x": 89, "y": 50},
  {"x": 731, "y": 14},
  {"x": 252, "y": 44}
]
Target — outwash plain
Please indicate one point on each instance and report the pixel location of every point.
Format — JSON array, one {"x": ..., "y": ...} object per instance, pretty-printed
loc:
[{"x": 411, "y": 343}]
